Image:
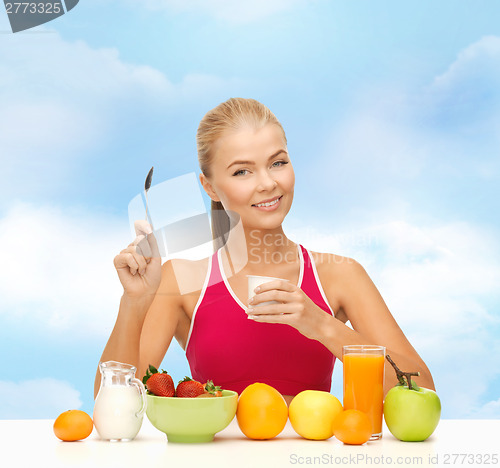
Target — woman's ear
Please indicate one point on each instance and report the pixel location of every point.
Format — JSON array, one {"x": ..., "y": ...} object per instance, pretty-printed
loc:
[{"x": 207, "y": 186}]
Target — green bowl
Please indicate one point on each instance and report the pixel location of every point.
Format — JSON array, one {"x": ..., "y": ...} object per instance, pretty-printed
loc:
[{"x": 192, "y": 419}]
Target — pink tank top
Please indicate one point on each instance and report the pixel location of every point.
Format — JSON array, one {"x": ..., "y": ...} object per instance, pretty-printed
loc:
[{"x": 233, "y": 351}]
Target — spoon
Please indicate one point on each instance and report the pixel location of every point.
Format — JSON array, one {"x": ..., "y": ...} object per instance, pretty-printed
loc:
[{"x": 147, "y": 186}]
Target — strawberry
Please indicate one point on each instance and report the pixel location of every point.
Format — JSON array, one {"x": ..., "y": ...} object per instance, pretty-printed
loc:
[
  {"x": 159, "y": 383},
  {"x": 189, "y": 388},
  {"x": 211, "y": 389}
]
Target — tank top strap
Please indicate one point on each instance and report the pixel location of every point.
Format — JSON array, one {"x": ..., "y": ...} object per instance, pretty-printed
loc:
[
  {"x": 311, "y": 283},
  {"x": 215, "y": 271},
  {"x": 309, "y": 280}
]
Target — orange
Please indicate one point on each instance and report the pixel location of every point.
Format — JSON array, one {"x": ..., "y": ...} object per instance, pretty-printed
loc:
[
  {"x": 262, "y": 411},
  {"x": 312, "y": 413},
  {"x": 352, "y": 427},
  {"x": 73, "y": 425}
]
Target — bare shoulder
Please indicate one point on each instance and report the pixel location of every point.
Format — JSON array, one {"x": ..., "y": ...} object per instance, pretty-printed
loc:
[
  {"x": 342, "y": 278},
  {"x": 334, "y": 267},
  {"x": 185, "y": 276}
]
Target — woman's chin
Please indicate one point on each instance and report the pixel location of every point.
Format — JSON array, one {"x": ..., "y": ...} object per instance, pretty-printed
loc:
[{"x": 268, "y": 225}]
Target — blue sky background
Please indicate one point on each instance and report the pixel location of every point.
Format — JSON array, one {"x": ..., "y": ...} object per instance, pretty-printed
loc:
[{"x": 392, "y": 113}]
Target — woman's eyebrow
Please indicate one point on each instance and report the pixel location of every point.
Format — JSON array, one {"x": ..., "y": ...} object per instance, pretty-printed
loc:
[{"x": 252, "y": 162}]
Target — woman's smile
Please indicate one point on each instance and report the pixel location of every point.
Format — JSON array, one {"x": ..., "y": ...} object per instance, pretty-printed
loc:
[{"x": 270, "y": 204}]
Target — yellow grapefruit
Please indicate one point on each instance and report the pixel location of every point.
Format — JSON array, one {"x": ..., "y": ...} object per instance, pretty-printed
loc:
[{"x": 312, "y": 413}]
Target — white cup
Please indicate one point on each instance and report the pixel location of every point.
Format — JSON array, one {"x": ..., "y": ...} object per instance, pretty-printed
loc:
[{"x": 254, "y": 281}]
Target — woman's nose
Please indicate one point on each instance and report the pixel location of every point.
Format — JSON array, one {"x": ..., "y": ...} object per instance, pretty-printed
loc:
[{"x": 266, "y": 182}]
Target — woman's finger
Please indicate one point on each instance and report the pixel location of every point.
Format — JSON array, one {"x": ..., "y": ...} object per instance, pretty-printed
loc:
[
  {"x": 143, "y": 248},
  {"x": 126, "y": 260},
  {"x": 273, "y": 295},
  {"x": 141, "y": 261},
  {"x": 281, "y": 284},
  {"x": 142, "y": 227},
  {"x": 144, "y": 232},
  {"x": 137, "y": 240},
  {"x": 271, "y": 318},
  {"x": 138, "y": 257},
  {"x": 153, "y": 246},
  {"x": 271, "y": 309}
]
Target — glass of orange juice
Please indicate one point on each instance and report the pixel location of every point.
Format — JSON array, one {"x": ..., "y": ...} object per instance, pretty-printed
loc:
[{"x": 364, "y": 382}]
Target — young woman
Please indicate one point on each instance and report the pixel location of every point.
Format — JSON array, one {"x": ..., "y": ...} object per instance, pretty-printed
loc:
[{"x": 290, "y": 344}]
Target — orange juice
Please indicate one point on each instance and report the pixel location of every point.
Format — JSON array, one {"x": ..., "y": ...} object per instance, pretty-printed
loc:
[{"x": 364, "y": 385}]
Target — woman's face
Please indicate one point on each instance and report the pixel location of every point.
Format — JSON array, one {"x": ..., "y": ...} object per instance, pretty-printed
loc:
[{"x": 253, "y": 176}]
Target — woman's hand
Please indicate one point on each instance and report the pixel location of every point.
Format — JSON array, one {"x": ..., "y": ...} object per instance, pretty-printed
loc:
[
  {"x": 139, "y": 265},
  {"x": 294, "y": 308}
]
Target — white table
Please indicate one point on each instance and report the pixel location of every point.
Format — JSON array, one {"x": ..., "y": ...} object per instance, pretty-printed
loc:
[{"x": 454, "y": 443}]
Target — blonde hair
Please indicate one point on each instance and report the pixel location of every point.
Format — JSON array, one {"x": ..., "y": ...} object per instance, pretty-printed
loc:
[{"x": 231, "y": 115}]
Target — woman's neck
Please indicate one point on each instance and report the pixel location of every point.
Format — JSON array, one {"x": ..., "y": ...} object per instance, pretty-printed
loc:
[{"x": 258, "y": 251}]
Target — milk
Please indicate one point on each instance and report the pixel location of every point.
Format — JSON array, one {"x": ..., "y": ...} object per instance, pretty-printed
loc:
[{"x": 115, "y": 412}]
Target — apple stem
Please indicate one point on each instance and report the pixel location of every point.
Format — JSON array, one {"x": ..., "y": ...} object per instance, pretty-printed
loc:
[{"x": 402, "y": 375}]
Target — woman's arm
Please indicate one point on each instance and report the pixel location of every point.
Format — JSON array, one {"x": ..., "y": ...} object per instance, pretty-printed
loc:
[
  {"x": 161, "y": 321},
  {"x": 348, "y": 286},
  {"x": 372, "y": 322},
  {"x": 123, "y": 343},
  {"x": 144, "y": 327}
]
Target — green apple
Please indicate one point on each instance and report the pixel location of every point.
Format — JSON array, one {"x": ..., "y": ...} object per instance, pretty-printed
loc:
[{"x": 411, "y": 412}]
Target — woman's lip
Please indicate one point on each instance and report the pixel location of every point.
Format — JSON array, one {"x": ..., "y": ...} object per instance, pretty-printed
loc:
[
  {"x": 268, "y": 200},
  {"x": 270, "y": 208}
]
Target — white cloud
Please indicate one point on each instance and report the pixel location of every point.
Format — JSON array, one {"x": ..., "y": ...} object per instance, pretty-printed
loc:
[
  {"x": 464, "y": 103},
  {"x": 438, "y": 281},
  {"x": 58, "y": 102},
  {"x": 429, "y": 273},
  {"x": 382, "y": 146},
  {"x": 199, "y": 86},
  {"x": 227, "y": 10},
  {"x": 439, "y": 286},
  {"x": 490, "y": 410},
  {"x": 474, "y": 74},
  {"x": 60, "y": 273},
  {"x": 420, "y": 140},
  {"x": 62, "y": 101},
  {"x": 372, "y": 155},
  {"x": 43, "y": 398}
]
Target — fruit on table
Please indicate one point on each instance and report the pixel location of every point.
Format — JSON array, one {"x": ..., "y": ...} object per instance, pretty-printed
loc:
[
  {"x": 162, "y": 384},
  {"x": 261, "y": 412},
  {"x": 411, "y": 412},
  {"x": 159, "y": 383},
  {"x": 73, "y": 425},
  {"x": 189, "y": 388},
  {"x": 311, "y": 414},
  {"x": 352, "y": 427},
  {"x": 212, "y": 390}
]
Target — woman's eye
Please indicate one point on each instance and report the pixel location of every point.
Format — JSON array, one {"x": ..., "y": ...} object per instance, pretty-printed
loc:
[
  {"x": 279, "y": 163},
  {"x": 240, "y": 172}
]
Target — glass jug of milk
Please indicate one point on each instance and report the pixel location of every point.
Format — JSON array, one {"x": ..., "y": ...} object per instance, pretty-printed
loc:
[{"x": 121, "y": 402}]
